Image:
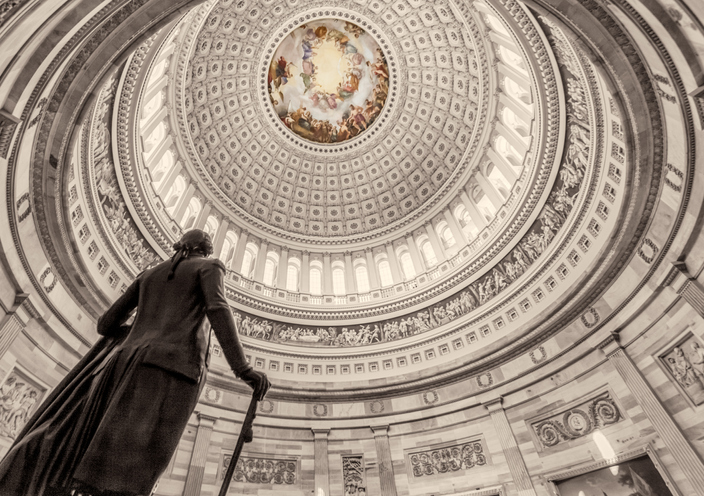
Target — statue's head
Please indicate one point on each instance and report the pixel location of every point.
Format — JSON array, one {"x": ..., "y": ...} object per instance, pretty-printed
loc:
[{"x": 195, "y": 241}]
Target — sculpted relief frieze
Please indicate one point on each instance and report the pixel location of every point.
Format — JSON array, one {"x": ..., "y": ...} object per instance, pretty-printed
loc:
[
  {"x": 578, "y": 421},
  {"x": 262, "y": 470},
  {"x": 112, "y": 207},
  {"x": 446, "y": 460}
]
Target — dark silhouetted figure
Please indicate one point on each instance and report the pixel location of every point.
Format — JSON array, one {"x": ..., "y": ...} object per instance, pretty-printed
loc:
[{"x": 112, "y": 425}]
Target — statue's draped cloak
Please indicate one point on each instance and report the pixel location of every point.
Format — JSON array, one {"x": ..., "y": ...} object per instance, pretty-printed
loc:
[{"x": 115, "y": 420}]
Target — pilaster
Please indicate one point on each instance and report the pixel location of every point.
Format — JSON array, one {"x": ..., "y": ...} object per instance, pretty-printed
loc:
[
  {"x": 385, "y": 463},
  {"x": 196, "y": 469},
  {"x": 322, "y": 467},
  {"x": 514, "y": 458}
]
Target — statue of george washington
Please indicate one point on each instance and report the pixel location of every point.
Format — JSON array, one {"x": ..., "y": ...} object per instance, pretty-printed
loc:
[{"x": 112, "y": 425}]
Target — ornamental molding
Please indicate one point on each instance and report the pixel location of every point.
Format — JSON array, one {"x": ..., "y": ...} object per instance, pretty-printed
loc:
[
  {"x": 262, "y": 469},
  {"x": 444, "y": 460},
  {"x": 578, "y": 420}
]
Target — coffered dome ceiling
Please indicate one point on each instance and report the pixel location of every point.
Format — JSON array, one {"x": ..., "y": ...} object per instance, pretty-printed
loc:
[{"x": 404, "y": 193}]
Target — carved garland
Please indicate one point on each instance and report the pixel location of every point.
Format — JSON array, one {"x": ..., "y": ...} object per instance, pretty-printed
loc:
[
  {"x": 577, "y": 422},
  {"x": 256, "y": 470},
  {"x": 447, "y": 460}
]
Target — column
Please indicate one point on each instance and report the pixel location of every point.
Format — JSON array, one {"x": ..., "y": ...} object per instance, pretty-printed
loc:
[
  {"x": 12, "y": 324},
  {"x": 282, "y": 276},
  {"x": 384, "y": 461},
  {"x": 518, "y": 108},
  {"x": 327, "y": 274},
  {"x": 196, "y": 469},
  {"x": 322, "y": 468},
  {"x": 155, "y": 88},
  {"x": 490, "y": 191},
  {"x": 502, "y": 39},
  {"x": 503, "y": 165},
  {"x": 512, "y": 137},
  {"x": 305, "y": 272},
  {"x": 435, "y": 242},
  {"x": 685, "y": 456},
  {"x": 415, "y": 255},
  {"x": 516, "y": 75},
  {"x": 169, "y": 179},
  {"x": 203, "y": 215},
  {"x": 219, "y": 239},
  {"x": 371, "y": 269},
  {"x": 456, "y": 230},
  {"x": 239, "y": 251},
  {"x": 393, "y": 262},
  {"x": 153, "y": 122},
  {"x": 474, "y": 212},
  {"x": 688, "y": 287},
  {"x": 514, "y": 459},
  {"x": 350, "y": 279},
  {"x": 156, "y": 154},
  {"x": 182, "y": 204},
  {"x": 260, "y": 262}
]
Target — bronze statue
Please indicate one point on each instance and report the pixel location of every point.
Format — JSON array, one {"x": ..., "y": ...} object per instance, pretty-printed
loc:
[{"x": 112, "y": 425}]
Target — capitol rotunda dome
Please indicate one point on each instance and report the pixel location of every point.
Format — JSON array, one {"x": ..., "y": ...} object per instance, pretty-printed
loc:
[{"x": 461, "y": 237}]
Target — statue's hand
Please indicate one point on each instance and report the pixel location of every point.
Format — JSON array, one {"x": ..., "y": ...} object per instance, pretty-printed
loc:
[{"x": 257, "y": 381}]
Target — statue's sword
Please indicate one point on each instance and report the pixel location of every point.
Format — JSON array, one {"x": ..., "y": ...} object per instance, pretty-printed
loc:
[{"x": 246, "y": 436}]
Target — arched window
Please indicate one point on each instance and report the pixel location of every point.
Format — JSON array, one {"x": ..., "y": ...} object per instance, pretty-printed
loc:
[
  {"x": 448, "y": 240},
  {"x": 512, "y": 121},
  {"x": 409, "y": 270},
  {"x": 175, "y": 192},
  {"x": 153, "y": 140},
  {"x": 316, "y": 278},
  {"x": 468, "y": 226},
  {"x": 293, "y": 275},
  {"x": 162, "y": 168},
  {"x": 428, "y": 253},
  {"x": 496, "y": 24},
  {"x": 158, "y": 71},
  {"x": 362, "y": 277},
  {"x": 484, "y": 205},
  {"x": 211, "y": 226},
  {"x": 338, "y": 279},
  {"x": 517, "y": 92},
  {"x": 496, "y": 177},
  {"x": 227, "y": 254},
  {"x": 384, "y": 268},
  {"x": 505, "y": 149},
  {"x": 151, "y": 107},
  {"x": 191, "y": 214},
  {"x": 250, "y": 256},
  {"x": 512, "y": 59},
  {"x": 270, "y": 266}
]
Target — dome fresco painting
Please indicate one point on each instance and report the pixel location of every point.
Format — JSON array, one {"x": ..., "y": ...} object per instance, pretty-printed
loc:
[
  {"x": 454, "y": 232},
  {"x": 328, "y": 81}
]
